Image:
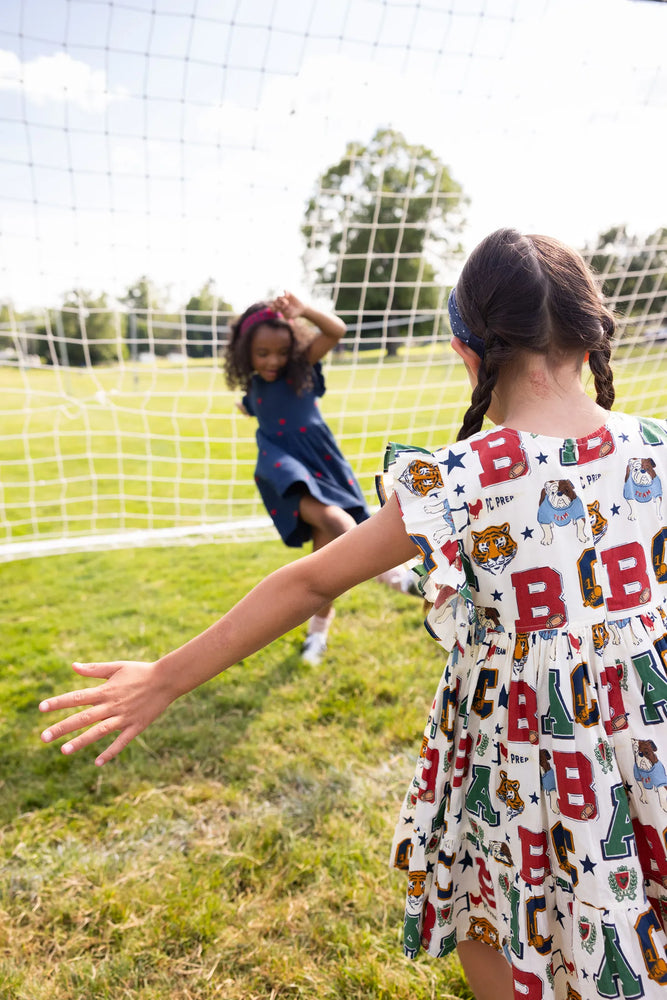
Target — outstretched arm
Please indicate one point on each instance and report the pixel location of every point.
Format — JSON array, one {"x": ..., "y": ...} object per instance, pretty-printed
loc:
[
  {"x": 330, "y": 327},
  {"x": 137, "y": 693}
]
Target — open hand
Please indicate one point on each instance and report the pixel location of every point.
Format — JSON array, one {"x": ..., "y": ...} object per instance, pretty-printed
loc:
[
  {"x": 127, "y": 703},
  {"x": 289, "y": 305}
]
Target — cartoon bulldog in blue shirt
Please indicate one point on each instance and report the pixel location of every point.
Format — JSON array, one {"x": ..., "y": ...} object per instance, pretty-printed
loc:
[
  {"x": 649, "y": 772},
  {"x": 641, "y": 484},
  {"x": 560, "y": 505}
]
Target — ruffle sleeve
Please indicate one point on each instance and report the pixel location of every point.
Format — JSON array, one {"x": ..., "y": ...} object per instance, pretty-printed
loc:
[
  {"x": 436, "y": 524},
  {"x": 246, "y": 403}
]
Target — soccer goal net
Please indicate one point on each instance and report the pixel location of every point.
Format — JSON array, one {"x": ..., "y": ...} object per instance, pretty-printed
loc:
[{"x": 166, "y": 164}]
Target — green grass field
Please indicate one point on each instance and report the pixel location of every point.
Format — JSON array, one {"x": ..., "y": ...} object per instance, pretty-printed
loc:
[
  {"x": 117, "y": 450},
  {"x": 238, "y": 849}
]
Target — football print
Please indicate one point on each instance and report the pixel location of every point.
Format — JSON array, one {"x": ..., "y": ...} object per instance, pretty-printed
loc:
[
  {"x": 555, "y": 620},
  {"x": 518, "y": 469}
]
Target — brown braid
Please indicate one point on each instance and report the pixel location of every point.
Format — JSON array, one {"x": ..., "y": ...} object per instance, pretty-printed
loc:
[
  {"x": 495, "y": 356},
  {"x": 598, "y": 361},
  {"x": 479, "y": 404}
]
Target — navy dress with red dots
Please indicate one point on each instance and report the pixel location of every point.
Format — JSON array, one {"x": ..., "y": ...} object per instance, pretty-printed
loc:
[{"x": 296, "y": 452}]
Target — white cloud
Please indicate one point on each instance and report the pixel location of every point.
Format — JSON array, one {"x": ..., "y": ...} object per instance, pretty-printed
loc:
[{"x": 56, "y": 79}]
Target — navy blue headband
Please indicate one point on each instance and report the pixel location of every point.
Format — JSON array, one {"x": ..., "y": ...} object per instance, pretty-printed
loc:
[{"x": 460, "y": 328}]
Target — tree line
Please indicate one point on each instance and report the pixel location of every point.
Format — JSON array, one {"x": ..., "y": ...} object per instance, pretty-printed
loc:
[{"x": 381, "y": 228}]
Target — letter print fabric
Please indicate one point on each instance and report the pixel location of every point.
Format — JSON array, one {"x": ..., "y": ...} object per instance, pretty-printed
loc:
[{"x": 536, "y": 820}]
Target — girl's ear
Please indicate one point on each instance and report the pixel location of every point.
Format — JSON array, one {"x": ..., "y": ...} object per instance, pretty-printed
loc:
[{"x": 471, "y": 360}]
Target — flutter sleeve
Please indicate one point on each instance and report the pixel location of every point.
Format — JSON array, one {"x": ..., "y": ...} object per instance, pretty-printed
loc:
[
  {"x": 436, "y": 524},
  {"x": 247, "y": 405}
]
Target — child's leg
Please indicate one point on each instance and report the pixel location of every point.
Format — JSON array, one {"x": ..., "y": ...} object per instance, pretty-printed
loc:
[
  {"x": 327, "y": 522},
  {"x": 488, "y": 972}
]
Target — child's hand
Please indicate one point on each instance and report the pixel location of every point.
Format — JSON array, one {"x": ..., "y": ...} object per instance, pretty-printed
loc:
[
  {"x": 129, "y": 701},
  {"x": 289, "y": 305}
]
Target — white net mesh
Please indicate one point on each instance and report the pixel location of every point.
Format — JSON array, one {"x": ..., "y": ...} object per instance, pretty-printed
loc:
[{"x": 165, "y": 164}]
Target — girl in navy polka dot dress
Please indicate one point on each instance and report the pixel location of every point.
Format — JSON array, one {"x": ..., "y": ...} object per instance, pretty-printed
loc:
[{"x": 307, "y": 485}]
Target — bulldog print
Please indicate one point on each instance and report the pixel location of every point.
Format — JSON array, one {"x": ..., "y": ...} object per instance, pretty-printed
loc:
[
  {"x": 560, "y": 506},
  {"x": 649, "y": 771},
  {"x": 642, "y": 485}
]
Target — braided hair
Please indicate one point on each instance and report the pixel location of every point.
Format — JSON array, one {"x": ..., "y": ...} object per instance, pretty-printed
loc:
[
  {"x": 238, "y": 352},
  {"x": 532, "y": 293}
]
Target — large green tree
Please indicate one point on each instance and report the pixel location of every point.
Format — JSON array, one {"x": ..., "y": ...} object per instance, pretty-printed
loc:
[
  {"x": 380, "y": 226},
  {"x": 207, "y": 319}
]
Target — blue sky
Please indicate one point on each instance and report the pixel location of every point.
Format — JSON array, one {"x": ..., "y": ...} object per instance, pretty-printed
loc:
[{"x": 182, "y": 138}]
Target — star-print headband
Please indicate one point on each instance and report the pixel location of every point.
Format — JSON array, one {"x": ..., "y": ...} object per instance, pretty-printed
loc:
[
  {"x": 260, "y": 316},
  {"x": 461, "y": 329}
]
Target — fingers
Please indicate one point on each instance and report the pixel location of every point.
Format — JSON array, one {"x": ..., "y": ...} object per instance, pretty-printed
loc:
[
  {"x": 73, "y": 699},
  {"x": 126, "y": 704},
  {"x": 78, "y": 721},
  {"x": 97, "y": 669},
  {"x": 102, "y": 728},
  {"x": 287, "y": 303},
  {"x": 76, "y": 699},
  {"x": 93, "y": 734},
  {"x": 115, "y": 748},
  {"x": 84, "y": 696}
]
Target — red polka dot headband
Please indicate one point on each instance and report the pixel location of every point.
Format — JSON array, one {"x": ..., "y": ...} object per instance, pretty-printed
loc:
[{"x": 260, "y": 316}]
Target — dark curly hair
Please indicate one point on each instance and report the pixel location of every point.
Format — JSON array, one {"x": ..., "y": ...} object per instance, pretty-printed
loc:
[
  {"x": 238, "y": 351},
  {"x": 532, "y": 293}
]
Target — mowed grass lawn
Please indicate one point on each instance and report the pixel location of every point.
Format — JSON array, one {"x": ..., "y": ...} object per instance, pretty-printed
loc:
[
  {"x": 239, "y": 848},
  {"x": 116, "y": 449},
  {"x": 119, "y": 449}
]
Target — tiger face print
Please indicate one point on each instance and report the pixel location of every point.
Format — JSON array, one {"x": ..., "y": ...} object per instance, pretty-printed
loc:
[
  {"x": 600, "y": 637},
  {"x": 482, "y": 929},
  {"x": 421, "y": 477},
  {"x": 493, "y": 548},
  {"x": 596, "y": 520},
  {"x": 416, "y": 883}
]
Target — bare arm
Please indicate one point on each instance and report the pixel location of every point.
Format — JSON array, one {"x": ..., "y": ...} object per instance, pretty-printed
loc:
[
  {"x": 137, "y": 693},
  {"x": 330, "y": 327}
]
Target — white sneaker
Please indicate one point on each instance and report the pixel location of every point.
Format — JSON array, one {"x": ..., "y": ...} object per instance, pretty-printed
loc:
[{"x": 314, "y": 648}]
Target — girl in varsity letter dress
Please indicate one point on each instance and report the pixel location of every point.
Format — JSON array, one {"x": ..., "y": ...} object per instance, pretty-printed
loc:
[{"x": 534, "y": 831}]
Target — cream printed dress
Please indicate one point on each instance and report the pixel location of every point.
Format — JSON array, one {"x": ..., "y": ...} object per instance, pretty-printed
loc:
[{"x": 536, "y": 820}]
